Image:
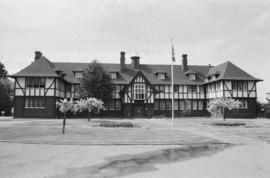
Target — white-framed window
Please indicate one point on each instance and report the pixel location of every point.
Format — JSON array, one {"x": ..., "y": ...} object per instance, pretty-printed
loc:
[
  {"x": 218, "y": 86},
  {"x": 35, "y": 82},
  {"x": 139, "y": 91},
  {"x": 161, "y": 76},
  {"x": 78, "y": 74},
  {"x": 200, "y": 105},
  {"x": 194, "y": 105},
  {"x": 245, "y": 86},
  {"x": 188, "y": 105},
  {"x": 37, "y": 102},
  {"x": 192, "y": 77},
  {"x": 234, "y": 85},
  {"x": 113, "y": 75}
]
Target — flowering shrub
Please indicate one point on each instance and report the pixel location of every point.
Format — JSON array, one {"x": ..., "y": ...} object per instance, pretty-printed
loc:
[
  {"x": 89, "y": 104},
  {"x": 220, "y": 105}
]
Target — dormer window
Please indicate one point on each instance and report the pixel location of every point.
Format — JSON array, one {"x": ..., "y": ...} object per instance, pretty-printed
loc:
[
  {"x": 113, "y": 75},
  {"x": 192, "y": 77},
  {"x": 161, "y": 76},
  {"x": 191, "y": 74},
  {"x": 78, "y": 74}
]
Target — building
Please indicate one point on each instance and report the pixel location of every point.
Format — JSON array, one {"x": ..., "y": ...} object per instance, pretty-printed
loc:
[{"x": 140, "y": 90}]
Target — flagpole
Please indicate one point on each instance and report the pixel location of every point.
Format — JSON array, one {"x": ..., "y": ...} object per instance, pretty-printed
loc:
[{"x": 172, "y": 90}]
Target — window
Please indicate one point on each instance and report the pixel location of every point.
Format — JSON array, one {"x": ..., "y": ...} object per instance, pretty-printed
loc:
[
  {"x": 161, "y": 76},
  {"x": 111, "y": 105},
  {"x": 161, "y": 89},
  {"x": 194, "y": 105},
  {"x": 175, "y": 104},
  {"x": 182, "y": 105},
  {"x": 245, "y": 86},
  {"x": 34, "y": 103},
  {"x": 114, "y": 92},
  {"x": 192, "y": 88},
  {"x": 200, "y": 104},
  {"x": 113, "y": 75},
  {"x": 192, "y": 77},
  {"x": 218, "y": 86},
  {"x": 176, "y": 89},
  {"x": 35, "y": 82},
  {"x": 68, "y": 88},
  {"x": 78, "y": 74},
  {"x": 162, "y": 104},
  {"x": 168, "y": 104},
  {"x": 181, "y": 88},
  {"x": 239, "y": 86},
  {"x": 201, "y": 89},
  {"x": 156, "y": 105},
  {"x": 243, "y": 103},
  {"x": 234, "y": 85},
  {"x": 188, "y": 104},
  {"x": 139, "y": 91},
  {"x": 117, "y": 105}
]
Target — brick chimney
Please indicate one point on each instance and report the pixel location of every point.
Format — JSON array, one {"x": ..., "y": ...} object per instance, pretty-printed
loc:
[
  {"x": 184, "y": 62},
  {"x": 122, "y": 60},
  {"x": 38, "y": 55},
  {"x": 135, "y": 61}
]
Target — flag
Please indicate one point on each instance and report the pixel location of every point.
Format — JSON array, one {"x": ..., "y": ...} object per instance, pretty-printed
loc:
[{"x": 173, "y": 57}]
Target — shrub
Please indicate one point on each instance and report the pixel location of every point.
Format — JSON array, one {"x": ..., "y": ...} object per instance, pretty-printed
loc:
[
  {"x": 229, "y": 124},
  {"x": 116, "y": 124}
]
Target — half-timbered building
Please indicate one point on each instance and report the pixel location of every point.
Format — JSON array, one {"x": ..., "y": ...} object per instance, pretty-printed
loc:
[{"x": 140, "y": 90}]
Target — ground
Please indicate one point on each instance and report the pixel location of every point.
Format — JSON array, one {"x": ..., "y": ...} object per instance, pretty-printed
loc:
[{"x": 154, "y": 148}]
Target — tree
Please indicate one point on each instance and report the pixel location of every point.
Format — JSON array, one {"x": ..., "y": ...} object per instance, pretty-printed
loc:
[
  {"x": 89, "y": 104},
  {"x": 268, "y": 97},
  {"x": 6, "y": 91},
  {"x": 96, "y": 82},
  {"x": 3, "y": 71},
  {"x": 221, "y": 105},
  {"x": 64, "y": 107}
]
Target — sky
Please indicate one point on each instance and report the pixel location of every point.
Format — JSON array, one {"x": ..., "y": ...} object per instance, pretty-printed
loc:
[{"x": 209, "y": 31}]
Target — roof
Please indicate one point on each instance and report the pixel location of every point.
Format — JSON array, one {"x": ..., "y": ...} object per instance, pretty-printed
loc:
[
  {"x": 229, "y": 71},
  {"x": 190, "y": 71},
  {"x": 225, "y": 71},
  {"x": 40, "y": 68}
]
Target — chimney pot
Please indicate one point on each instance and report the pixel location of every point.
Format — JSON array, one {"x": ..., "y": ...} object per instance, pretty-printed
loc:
[{"x": 38, "y": 55}]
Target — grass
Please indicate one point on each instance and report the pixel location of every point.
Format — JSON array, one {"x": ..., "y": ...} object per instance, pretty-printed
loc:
[
  {"x": 116, "y": 124},
  {"x": 229, "y": 124}
]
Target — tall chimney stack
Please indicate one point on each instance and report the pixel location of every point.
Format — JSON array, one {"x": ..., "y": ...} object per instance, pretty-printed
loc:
[
  {"x": 38, "y": 55},
  {"x": 184, "y": 62},
  {"x": 122, "y": 60},
  {"x": 135, "y": 61}
]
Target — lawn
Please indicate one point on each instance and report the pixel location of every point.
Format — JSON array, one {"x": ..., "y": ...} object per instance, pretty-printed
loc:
[
  {"x": 82, "y": 132},
  {"x": 193, "y": 148}
]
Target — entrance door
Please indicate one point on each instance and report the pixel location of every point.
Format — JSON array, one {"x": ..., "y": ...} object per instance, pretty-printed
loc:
[{"x": 138, "y": 111}]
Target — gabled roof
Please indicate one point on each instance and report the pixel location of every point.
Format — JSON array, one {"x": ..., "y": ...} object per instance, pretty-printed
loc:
[
  {"x": 40, "y": 68},
  {"x": 229, "y": 71},
  {"x": 225, "y": 71},
  {"x": 140, "y": 73},
  {"x": 190, "y": 71}
]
